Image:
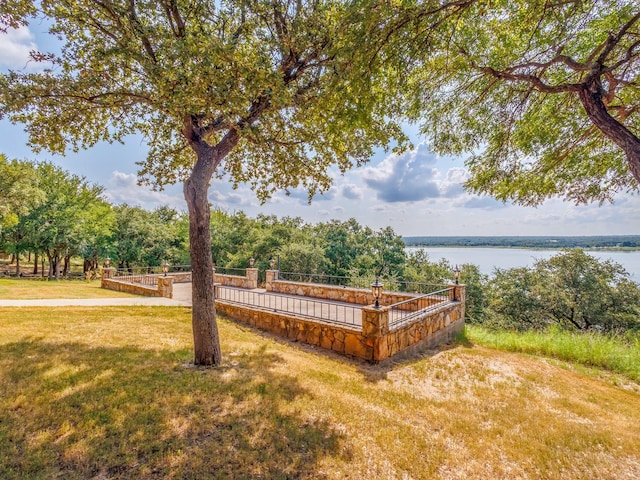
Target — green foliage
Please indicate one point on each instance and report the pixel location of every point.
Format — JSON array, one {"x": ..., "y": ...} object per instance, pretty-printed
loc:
[
  {"x": 617, "y": 353},
  {"x": 542, "y": 94},
  {"x": 573, "y": 290},
  {"x": 279, "y": 74},
  {"x": 475, "y": 285},
  {"x": 52, "y": 212},
  {"x": 303, "y": 257},
  {"x": 148, "y": 238}
]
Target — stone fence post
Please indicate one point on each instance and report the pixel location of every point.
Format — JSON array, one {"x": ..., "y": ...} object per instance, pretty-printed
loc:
[
  {"x": 107, "y": 273},
  {"x": 272, "y": 276},
  {"x": 252, "y": 278},
  {"x": 165, "y": 286},
  {"x": 375, "y": 327},
  {"x": 457, "y": 292}
]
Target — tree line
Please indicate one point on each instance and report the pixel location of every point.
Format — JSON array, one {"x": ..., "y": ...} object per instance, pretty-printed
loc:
[
  {"x": 54, "y": 216},
  {"x": 584, "y": 241},
  {"x": 542, "y": 95}
]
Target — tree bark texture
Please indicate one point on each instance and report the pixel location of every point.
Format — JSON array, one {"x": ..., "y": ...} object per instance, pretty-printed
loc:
[
  {"x": 591, "y": 98},
  {"x": 206, "y": 340}
]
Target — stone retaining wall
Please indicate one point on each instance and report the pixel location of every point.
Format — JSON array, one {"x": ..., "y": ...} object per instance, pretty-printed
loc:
[
  {"x": 375, "y": 342},
  {"x": 330, "y": 337},
  {"x": 358, "y": 296},
  {"x": 163, "y": 289}
]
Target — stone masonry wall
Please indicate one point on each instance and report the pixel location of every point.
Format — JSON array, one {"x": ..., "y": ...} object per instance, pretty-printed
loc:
[
  {"x": 163, "y": 289},
  {"x": 375, "y": 342},
  {"x": 330, "y": 337},
  {"x": 439, "y": 327},
  {"x": 359, "y": 296}
]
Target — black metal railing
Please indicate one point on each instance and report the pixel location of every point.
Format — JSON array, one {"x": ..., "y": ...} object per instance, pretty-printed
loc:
[
  {"x": 239, "y": 272},
  {"x": 416, "y": 308},
  {"x": 317, "y": 310},
  {"x": 319, "y": 278},
  {"x": 149, "y": 279},
  {"x": 390, "y": 284}
]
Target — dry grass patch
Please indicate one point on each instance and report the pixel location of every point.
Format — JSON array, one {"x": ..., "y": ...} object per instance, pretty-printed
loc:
[
  {"x": 22, "y": 289},
  {"x": 110, "y": 393}
]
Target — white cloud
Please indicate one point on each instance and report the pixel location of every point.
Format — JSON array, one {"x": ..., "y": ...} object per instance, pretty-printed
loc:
[
  {"x": 412, "y": 177},
  {"x": 352, "y": 192},
  {"x": 409, "y": 177},
  {"x": 15, "y": 46},
  {"x": 123, "y": 188}
]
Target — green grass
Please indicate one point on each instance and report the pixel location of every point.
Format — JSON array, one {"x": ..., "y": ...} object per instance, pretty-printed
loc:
[
  {"x": 615, "y": 353},
  {"x": 33, "y": 289},
  {"x": 110, "y": 393}
]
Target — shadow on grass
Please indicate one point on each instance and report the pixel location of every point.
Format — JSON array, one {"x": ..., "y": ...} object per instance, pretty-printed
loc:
[
  {"x": 372, "y": 372},
  {"x": 69, "y": 411}
]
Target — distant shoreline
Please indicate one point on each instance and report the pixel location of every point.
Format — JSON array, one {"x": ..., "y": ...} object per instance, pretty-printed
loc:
[{"x": 596, "y": 242}]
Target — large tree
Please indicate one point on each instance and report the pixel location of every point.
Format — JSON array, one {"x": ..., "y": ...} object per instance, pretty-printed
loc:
[
  {"x": 544, "y": 94},
  {"x": 265, "y": 91}
]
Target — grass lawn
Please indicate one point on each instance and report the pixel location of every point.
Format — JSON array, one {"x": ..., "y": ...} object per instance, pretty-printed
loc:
[
  {"x": 33, "y": 289},
  {"x": 109, "y": 393}
]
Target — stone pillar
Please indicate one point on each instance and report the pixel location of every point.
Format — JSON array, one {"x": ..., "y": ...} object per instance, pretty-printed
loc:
[
  {"x": 165, "y": 286},
  {"x": 107, "y": 273},
  {"x": 375, "y": 327},
  {"x": 457, "y": 292},
  {"x": 272, "y": 276},
  {"x": 252, "y": 278}
]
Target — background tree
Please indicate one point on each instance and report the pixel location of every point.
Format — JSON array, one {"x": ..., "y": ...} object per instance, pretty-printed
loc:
[
  {"x": 545, "y": 95},
  {"x": 264, "y": 91},
  {"x": 148, "y": 238},
  {"x": 19, "y": 194},
  {"x": 572, "y": 290},
  {"x": 65, "y": 219}
]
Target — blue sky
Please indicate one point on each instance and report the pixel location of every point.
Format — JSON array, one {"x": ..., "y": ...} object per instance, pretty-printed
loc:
[{"x": 416, "y": 193}]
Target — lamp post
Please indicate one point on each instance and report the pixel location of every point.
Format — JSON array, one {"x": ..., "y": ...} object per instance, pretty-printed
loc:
[
  {"x": 376, "y": 289},
  {"x": 165, "y": 268},
  {"x": 272, "y": 263},
  {"x": 107, "y": 262},
  {"x": 456, "y": 274},
  {"x": 252, "y": 262}
]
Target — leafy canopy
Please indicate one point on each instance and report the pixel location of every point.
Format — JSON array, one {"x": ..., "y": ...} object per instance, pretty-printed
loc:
[
  {"x": 503, "y": 82},
  {"x": 279, "y": 73}
]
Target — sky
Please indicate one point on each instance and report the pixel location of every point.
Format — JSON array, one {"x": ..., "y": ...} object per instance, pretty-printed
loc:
[{"x": 417, "y": 193}]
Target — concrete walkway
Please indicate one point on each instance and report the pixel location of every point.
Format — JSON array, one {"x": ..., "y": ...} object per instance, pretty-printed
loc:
[{"x": 181, "y": 297}]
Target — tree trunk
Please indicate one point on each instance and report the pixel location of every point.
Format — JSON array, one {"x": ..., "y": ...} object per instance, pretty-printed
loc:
[
  {"x": 35, "y": 263},
  {"x": 206, "y": 340},
  {"x": 56, "y": 268},
  {"x": 50, "y": 272},
  {"x": 591, "y": 98},
  {"x": 65, "y": 270},
  {"x": 17, "y": 264},
  {"x": 203, "y": 314}
]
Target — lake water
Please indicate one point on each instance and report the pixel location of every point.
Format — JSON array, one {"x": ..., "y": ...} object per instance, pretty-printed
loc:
[{"x": 489, "y": 258}]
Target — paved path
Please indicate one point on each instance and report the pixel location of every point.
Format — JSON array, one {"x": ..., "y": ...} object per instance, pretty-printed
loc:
[{"x": 181, "y": 297}]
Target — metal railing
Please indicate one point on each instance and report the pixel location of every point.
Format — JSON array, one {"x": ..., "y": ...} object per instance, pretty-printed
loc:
[
  {"x": 416, "y": 308},
  {"x": 390, "y": 284},
  {"x": 150, "y": 279},
  {"x": 319, "y": 278},
  {"x": 239, "y": 272},
  {"x": 146, "y": 275},
  {"x": 317, "y": 310}
]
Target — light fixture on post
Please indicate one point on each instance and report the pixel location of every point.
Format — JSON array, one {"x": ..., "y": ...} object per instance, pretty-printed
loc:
[
  {"x": 107, "y": 262},
  {"x": 272, "y": 263},
  {"x": 376, "y": 289},
  {"x": 252, "y": 262},
  {"x": 165, "y": 268},
  {"x": 456, "y": 274}
]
